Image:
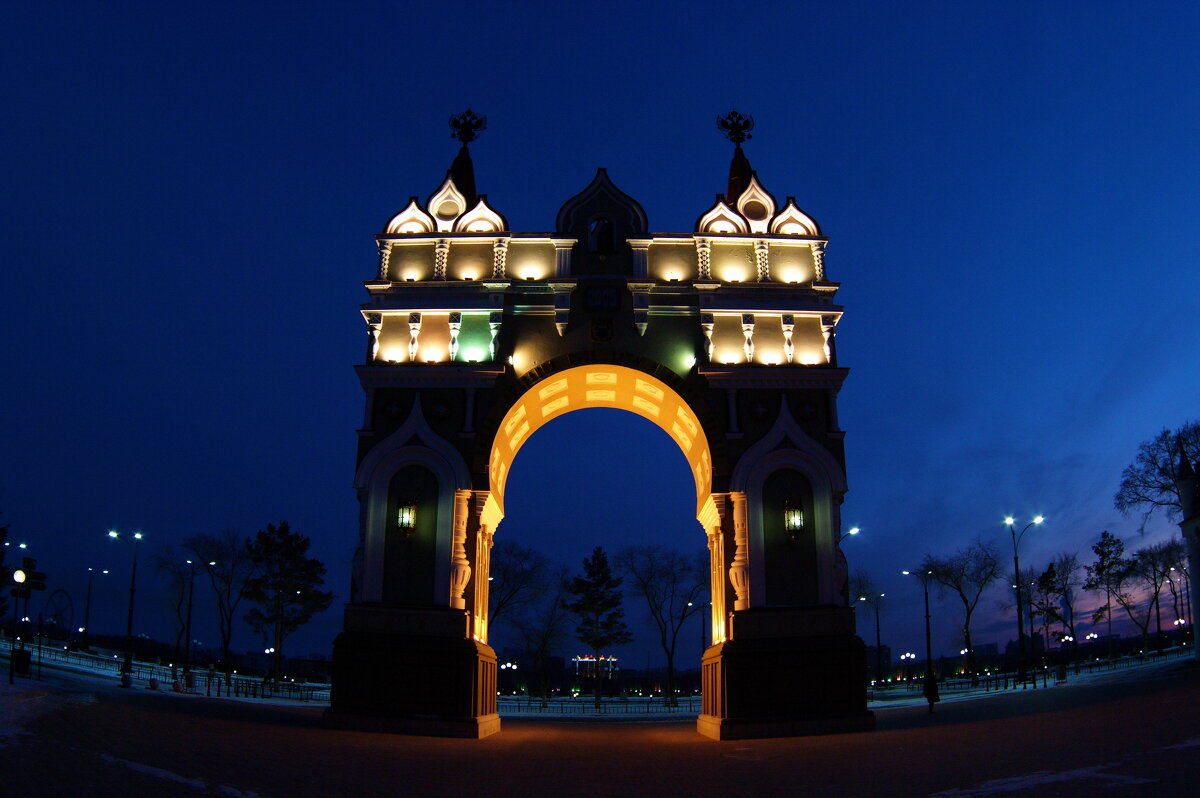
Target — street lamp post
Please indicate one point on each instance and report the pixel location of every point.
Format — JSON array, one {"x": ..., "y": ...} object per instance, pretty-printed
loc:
[
  {"x": 1016, "y": 541},
  {"x": 127, "y": 667},
  {"x": 931, "y": 688},
  {"x": 87, "y": 611}
]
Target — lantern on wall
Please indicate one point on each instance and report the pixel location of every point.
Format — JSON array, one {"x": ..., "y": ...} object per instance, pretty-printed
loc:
[
  {"x": 793, "y": 518},
  {"x": 406, "y": 518}
]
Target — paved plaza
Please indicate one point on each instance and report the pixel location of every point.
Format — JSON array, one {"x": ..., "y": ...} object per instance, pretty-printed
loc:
[{"x": 1135, "y": 733}]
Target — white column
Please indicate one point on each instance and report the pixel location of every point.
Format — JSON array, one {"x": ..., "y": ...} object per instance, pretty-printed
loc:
[
  {"x": 385, "y": 257},
  {"x": 789, "y": 323},
  {"x": 748, "y": 332},
  {"x": 455, "y": 328},
  {"x": 460, "y": 568},
  {"x": 706, "y": 324},
  {"x": 375, "y": 326},
  {"x": 414, "y": 331},
  {"x": 739, "y": 571}
]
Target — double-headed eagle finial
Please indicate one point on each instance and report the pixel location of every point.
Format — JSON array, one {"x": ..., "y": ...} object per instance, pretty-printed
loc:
[
  {"x": 466, "y": 126},
  {"x": 735, "y": 126}
]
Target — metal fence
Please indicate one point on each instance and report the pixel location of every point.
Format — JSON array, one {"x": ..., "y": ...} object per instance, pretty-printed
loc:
[
  {"x": 208, "y": 682},
  {"x": 586, "y": 705}
]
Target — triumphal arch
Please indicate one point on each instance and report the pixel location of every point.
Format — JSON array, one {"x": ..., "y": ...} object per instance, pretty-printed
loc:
[{"x": 723, "y": 336}]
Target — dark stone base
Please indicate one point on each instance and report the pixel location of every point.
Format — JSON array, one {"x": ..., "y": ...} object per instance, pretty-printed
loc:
[
  {"x": 781, "y": 685},
  {"x": 412, "y": 683}
]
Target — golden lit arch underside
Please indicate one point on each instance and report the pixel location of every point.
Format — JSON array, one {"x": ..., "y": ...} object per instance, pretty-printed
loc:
[
  {"x": 609, "y": 386},
  {"x": 591, "y": 386}
]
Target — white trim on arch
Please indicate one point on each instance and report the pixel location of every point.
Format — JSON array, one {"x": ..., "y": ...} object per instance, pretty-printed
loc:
[
  {"x": 828, "y": 482},
  {"x": 374, "y": 477}
]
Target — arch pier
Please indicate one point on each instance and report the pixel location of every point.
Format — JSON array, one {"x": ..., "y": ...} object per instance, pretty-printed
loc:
[{"x": 477, "y": 336}]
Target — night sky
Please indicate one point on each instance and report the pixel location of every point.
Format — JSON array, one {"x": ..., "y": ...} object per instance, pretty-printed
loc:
[{"x": 190, "y": 195}]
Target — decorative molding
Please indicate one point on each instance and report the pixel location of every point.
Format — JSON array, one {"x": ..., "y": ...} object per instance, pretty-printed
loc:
[
  {"x": 739, "y": 569},
  {"x": 762, "y": 260},
  {"x": 385, "y": 258},
  {"x": 704, "y": 258},
  {"x": 499, "y": 258},
  {"x": 818, "y": 251},
  {"x": 441, "y": 253}
]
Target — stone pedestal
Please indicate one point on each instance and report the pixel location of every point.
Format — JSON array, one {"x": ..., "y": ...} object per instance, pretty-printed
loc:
[
  {"x": 412, "y": 671},
  {"x": 784, "y": 673}
]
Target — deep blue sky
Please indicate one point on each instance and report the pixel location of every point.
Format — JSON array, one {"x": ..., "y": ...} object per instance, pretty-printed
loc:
[{"x": 191, "y": 193}]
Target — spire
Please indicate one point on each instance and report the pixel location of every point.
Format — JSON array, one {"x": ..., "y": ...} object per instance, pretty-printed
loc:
[
  {"x": 466, "y": 128},
  {"x": 1185, "y": 470},
  {"x": 736, "y": 127}
]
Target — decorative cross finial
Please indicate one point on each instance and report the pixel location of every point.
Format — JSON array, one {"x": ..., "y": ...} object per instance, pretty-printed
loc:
[
  {"x": 735, "y": 126},
  {"x": 466, "y": 126}
]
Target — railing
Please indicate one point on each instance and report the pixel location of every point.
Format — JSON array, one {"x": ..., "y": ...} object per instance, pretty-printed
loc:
[
  {"x": 1041, "y": 676},
  {"x": 586, "y": 705},
  {"x": 210, "y": 682}
]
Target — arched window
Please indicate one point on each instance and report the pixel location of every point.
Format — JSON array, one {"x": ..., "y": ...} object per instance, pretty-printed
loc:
[{"x": 600, "y": 235}]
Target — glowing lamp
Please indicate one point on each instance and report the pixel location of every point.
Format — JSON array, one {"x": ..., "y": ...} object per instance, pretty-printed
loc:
[
  {"x": 406, "y": 518},
  {"x": 19, "y": 576},
  {"x": 793, "y": 519}
]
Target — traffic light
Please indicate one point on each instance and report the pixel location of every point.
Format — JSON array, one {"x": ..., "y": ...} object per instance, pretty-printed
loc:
[{"x": 34, "y": 579}]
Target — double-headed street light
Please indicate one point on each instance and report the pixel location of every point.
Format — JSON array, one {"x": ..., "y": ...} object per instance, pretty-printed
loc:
[
  {"x": 133, "y": 543},
  {"x": 87, "y": 611},
  {"x": 187, "y": 655},
  {"x": 931, "y": 689},
  {"x": 1016, "y": 541}
]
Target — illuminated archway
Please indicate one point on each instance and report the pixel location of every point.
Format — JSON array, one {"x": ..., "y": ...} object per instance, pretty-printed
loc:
[{"x": 596, "y": 385}]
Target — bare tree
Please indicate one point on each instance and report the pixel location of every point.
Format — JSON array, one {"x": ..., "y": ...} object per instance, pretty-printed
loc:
[
  {"x": 674, "y": 587},
  {"x": 1066, "y": 583},
  {"x": 519, "y": 578},
  {"x": 544, "y": 626},
  {"x": 966, "y": 573},
  {"x": 1152, "y": 567},
  {"x": 168, "y": 563},
  {"x": 1148, "y": 483},
  {"x": 227, "y": 561}
]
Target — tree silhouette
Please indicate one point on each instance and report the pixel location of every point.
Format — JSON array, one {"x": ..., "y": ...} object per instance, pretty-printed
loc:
[
  {"x": 285, "y": 586},
  {"x": 675, "y": 587},
  {"x": 1148, "y": 483},
  {"x": 597, "y": 604}
]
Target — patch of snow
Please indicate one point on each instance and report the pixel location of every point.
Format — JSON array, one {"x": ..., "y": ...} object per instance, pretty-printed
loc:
[{"x": 1042, "y": 778}]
